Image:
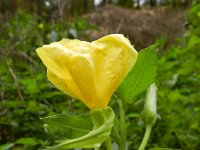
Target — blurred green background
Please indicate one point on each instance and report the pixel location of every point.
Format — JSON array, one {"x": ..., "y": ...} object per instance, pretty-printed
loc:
[{"x": 26, "y": 95}]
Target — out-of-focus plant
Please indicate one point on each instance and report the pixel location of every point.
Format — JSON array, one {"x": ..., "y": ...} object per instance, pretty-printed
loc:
[
  {"x": 24, "y": 94},
  {"x": 179, "y": 83}
]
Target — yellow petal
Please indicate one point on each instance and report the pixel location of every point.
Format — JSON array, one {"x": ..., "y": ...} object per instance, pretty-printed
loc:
[
  {"x": 66, "y": 85},
  {"x": 56, "y": 58},
  {"x": 114, "y": 58},
  {"x": 81, "y": 47},
  {"x": 71, "y": 70},
  {"x": 82, "y": 70}
]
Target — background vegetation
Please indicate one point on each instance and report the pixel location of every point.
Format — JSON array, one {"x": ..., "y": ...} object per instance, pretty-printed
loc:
[{"x": 26, "y": 95}]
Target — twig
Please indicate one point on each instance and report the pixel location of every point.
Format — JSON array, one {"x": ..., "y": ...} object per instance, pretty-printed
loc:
[
  {"x": 119, "y": 25},
  {"x": 61, "y": 8},
  {"x": 27, "y": 57},
  {"x": 2, "y": 91},
  {"x": 16, "y": 81}
]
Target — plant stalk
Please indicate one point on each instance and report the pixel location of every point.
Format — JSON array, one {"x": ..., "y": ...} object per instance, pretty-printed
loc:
[
  {"x": 146, "y": 137},
  {"x": 108, "y": 144},
  {"x": 96, "y": 148},
  {"x": 122, "y": 145}
]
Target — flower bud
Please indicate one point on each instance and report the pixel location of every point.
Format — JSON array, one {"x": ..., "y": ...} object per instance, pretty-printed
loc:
[
  {"x": 90, "y": 72},
  {"x": 150, "y": 109}
]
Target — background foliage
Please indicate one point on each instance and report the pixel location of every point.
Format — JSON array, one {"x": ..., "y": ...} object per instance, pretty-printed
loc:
[{"x": 26, "y": 95}]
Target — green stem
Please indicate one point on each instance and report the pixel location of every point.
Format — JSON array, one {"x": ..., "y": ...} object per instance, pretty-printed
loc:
[
  {"x": 96, "y": 148},
  {"x": 146, "y": 137},
  {"x": 108, "y": 144},
  {"x": 122, "y": 145}
]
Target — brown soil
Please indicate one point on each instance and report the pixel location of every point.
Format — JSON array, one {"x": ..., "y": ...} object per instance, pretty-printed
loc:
[{"x": 142, "y": 26}]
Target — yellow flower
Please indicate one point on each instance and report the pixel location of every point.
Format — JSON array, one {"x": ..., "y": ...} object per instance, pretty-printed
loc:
[{"x": 90, "y": 72}]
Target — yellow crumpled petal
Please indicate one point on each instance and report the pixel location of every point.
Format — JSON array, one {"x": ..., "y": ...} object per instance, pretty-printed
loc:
[{"x": 90, "y": 72}]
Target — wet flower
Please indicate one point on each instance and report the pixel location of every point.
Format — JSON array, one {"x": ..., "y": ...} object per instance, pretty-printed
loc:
[{"x": 90, "y": 72}]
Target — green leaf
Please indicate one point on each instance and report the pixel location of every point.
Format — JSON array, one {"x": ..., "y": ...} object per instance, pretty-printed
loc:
[
  {"x": 28, "y": 141},
  {"x": 115, "y": 131},
  {"x": 102, "y": 121},
  {"x": 156, "y": 148},
  {"x": 69, "y": 126},
  {"x": 193, "y": 15},
  {"x": 193, "y": 40},
  {"x": 6, "y": 146},
  {"x": 142, "y": 74}
]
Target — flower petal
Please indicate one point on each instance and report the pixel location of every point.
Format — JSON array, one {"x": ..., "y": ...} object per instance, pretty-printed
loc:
[
  {"x": 114, "y": 58},
  {"x": 56, "y": 58},
  {"x": 81, "y": 68},
  {"x": 66, "y": 85},
  {"x": 81, "y": 47}
]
